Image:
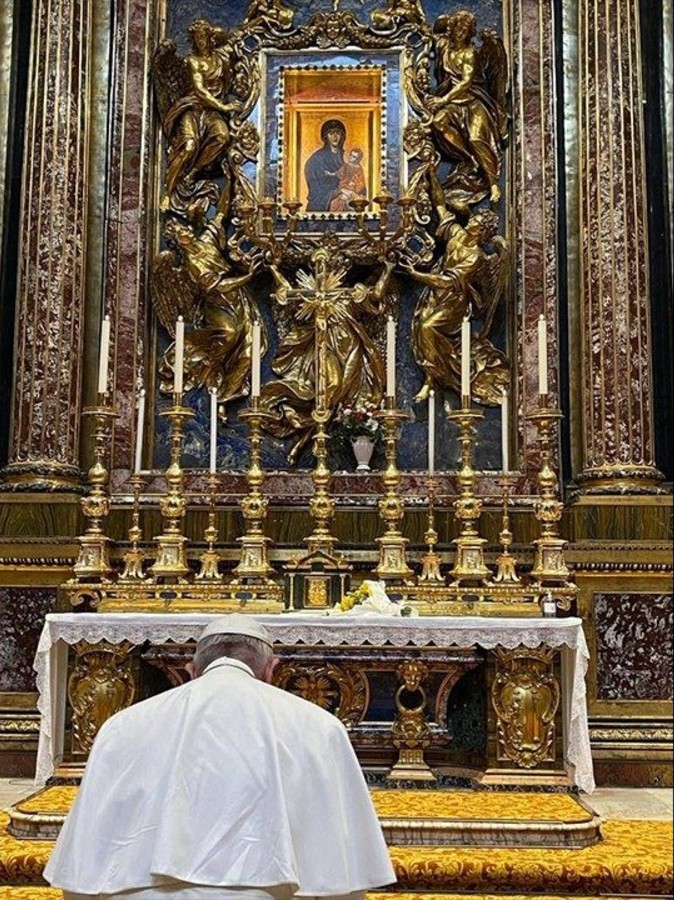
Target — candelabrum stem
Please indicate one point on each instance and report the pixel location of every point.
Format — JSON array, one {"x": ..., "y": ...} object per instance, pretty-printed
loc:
[
  {"x": 321, "y": 505},
  {"x": 93, "y": 561},
  {"x": 392, "y": 545},
  {"x": 469, "y": 566},
  {"x": 254, "y": 563},
  {"x": 506, "y": 572},
  {"x": 430, "y": 562},
  {"x": 134, "y": 556},
  {"x": 171, "y": 561},
  {"x": 210, "y": 559},
  {"x": 549, "y": 565}
]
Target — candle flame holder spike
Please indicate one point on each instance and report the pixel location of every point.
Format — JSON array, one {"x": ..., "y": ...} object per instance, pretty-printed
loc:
[
  {"x": 171, "y": 562},
  {"x": 210, "y": 558},
  {"x": 469, "y": 566},
  {"x": 549, "y": 568},
  {"x": 392, "y": 545},
  {"x": 254, "y": 564},
  {"x": 134, "y": 556},
  {"x": 430, "y": 561},
  {"x": 93, "y": 561},
  {"x": 506, "y": 564}
]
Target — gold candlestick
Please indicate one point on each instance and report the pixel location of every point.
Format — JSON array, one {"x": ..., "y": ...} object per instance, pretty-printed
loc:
[
  {"x": 321, "y": 505},
  {"x": 210, "y": 558},
  {"x": 469, "y": 563},
  {"x": 134, "y": 556},
  {"x": 549, "y": 566},
  {"x": 254, "y": 563},
  {"x": 506, "y": 572},
  {"x": 171, "y": 562},
  {"x": 93, "y": 561},
  {"x": 430, "y": 571},
  {"x": 392, "y": 545}
]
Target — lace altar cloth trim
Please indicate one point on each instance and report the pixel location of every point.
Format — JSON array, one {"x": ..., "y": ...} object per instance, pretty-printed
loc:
[{"x": 316, "y": 628}]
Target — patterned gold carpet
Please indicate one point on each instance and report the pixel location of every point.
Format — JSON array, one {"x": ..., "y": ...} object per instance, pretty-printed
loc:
[
  {"x": 634, "y": 858},
  {"x": 454, "y": 804}
]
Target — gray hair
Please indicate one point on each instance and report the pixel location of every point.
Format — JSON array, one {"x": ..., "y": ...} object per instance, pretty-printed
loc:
[{"x": 246, "y": 649}]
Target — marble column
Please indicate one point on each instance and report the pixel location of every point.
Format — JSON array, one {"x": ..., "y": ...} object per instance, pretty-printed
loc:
[
  {"x": 47, "y": 386},
  {"x": 617, "y": 428}
]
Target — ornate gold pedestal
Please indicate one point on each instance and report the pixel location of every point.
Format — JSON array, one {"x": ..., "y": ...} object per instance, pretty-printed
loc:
[
  {"x": 392, "y": 565},
  {"x": 469, "y": 566}
]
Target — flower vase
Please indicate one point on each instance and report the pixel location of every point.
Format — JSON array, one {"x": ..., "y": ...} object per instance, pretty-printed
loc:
[{"x": 363, "y": 447}]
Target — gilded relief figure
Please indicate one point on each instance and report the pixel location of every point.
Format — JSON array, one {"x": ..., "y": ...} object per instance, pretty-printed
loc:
[
  {"x": 195, "y": 102},
  {"x": 466, "y": 111},
  {"x": 468, "y": 280},
  {"x": 193, "y": 278},
  {"x": 354, "y": 370},
  {"x": 269, "y": 14},
  {"x": 397, "y": 13}
]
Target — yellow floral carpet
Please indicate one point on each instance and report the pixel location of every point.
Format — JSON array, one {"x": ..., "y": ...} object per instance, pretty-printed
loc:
[
  {"x": 454, "y": 804},
  {"x": 635, "y": 857}
]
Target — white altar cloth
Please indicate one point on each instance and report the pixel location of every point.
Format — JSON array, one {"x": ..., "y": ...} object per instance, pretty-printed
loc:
[{"x": 63, "y": 629}]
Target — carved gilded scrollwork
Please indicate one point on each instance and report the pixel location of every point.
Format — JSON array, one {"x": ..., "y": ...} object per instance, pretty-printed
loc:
[
  {"x": 525, "y": 696},
  {"x": 343, "y": 690},
  {"x": 456, "y": 84},
  {"x": 100, "y": 685}
]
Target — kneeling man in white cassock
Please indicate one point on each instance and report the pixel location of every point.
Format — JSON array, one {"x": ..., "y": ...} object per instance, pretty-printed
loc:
[{"x": 223, "y": 787}]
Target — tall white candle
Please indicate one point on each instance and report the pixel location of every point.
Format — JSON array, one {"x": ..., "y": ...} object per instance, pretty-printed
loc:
[
  {"x": 214, "y": 429},
  {"x": 140, "y": 424},
  {"x": 504, "y": 432},
  {"x": 542, "y": 355},
  {"x": 390, "y": 357},
  {"x": 104, "y": 356},
  {"x": 179, "y": 354},
  {"x": 255, "y": 361},
  {"x": 431, "y": 433},
  {"x": 465, "y": 358}
]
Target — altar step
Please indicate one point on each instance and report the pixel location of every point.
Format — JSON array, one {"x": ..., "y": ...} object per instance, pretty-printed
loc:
[
  {"x": 633, "y": 858},
  {"x": 456, "y": 818}
]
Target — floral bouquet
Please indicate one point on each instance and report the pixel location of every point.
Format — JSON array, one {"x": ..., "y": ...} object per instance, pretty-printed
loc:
[
  {"x": 357, "y": 421},
  {"x": 370, "y": 598}
]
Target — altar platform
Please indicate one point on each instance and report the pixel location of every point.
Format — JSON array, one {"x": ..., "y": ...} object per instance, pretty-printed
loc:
[{"x": 375, "y": 672}]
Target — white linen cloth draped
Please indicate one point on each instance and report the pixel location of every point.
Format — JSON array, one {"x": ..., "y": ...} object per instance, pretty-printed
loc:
[{"x": 63, "y": 629}]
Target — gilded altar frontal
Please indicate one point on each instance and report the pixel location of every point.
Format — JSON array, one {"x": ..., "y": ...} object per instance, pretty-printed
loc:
[{"x": 353, "y": 314}]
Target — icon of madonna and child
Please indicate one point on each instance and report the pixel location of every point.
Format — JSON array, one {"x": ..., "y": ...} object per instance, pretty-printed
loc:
[{"x": 334, "y": 174}]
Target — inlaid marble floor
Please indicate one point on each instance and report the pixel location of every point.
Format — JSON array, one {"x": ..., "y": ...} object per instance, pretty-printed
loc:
[{"x": 611, "y": 803}]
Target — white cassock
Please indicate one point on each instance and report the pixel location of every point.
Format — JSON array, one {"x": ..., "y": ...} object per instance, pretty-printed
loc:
[{"x": 224, "y": 783}]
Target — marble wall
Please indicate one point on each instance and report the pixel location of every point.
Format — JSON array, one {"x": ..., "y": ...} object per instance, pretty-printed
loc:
[
  {"x": 634, "y": 646},
  {"x": 22, "y": 614}
]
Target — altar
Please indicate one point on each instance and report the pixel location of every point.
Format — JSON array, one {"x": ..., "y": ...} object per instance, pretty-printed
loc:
[{"x": 389, "y": 679}]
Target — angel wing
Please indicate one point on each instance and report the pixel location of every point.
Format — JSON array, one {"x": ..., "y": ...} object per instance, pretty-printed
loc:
[
  {"x": 493, "y": 278},
  {"x": 171, "y": 76},
  {"x": 172, "y": 291},
  {"x": 493, "y": 67}
]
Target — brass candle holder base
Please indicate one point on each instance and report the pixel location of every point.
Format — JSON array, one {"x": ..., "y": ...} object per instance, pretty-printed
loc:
[
  {"x": 254, "y": 565},
  {"x": 93, "y": 561},
  {"x": 430, "y": 561},
  {"x": 549, "y": 568},
  {"x": 392, "y": 545},
  {"x": 506, "y": 571},
  {"x": 469, "y": 566},
  {"x": 210, "y": 558},
  {"x": 171, "y": 561},
  {"x": 134, "y": 556}
]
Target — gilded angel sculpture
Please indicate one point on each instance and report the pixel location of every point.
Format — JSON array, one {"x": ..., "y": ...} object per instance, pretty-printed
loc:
[
  {"x": 354, "y": 370},
  {"x": 193, "y": 279},
  {"x": 397, "y": 13},
  {"x": 192, "y": 95},
  {"x": 467, "y": 108},
  {"x": 467, "y": 281}
]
